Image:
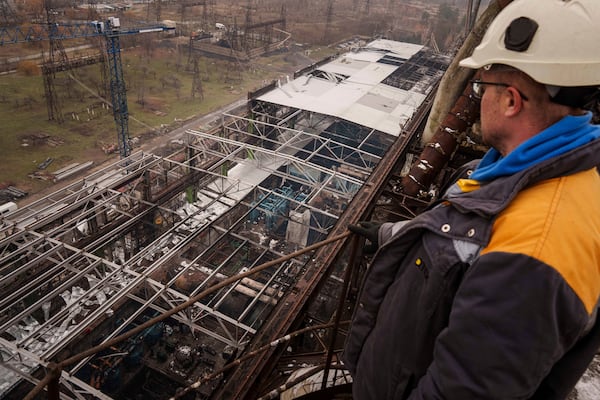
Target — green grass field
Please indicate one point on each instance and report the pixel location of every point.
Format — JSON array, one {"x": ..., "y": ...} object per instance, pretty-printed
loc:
[{"x": 159, "y": 96}]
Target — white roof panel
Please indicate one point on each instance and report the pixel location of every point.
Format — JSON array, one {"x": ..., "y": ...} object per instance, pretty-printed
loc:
[
  {"x": 361, "y": 98},
  {"x": 401, "y": 49},
  {"x": 365, "y": 55},
  {"x": 373, "y": 74},
  {"x": 364, "y": 115},
  {"x": 345, "y": 66},
  {"x": 378, "y": 102}
]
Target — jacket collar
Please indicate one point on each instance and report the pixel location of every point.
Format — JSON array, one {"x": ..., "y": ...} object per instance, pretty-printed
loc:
[{"x": 492, "y": 197}]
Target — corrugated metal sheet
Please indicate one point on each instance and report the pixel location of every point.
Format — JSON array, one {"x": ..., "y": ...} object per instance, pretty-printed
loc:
[{"x": 360, "y": 97}]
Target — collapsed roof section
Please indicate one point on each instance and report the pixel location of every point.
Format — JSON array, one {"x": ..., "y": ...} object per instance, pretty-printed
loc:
[
  {"x": 379, "y": 86},
  {"x": 140, "y": 237},
  {"x": 146, "y": 234}
]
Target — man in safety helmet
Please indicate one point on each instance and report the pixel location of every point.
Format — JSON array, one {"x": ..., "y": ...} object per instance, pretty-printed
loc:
[{"x": 493, "y": 293}]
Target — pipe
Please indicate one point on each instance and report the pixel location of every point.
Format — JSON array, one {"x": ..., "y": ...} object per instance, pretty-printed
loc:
[
  {"x": 453, "y": 101},
  {"x": 251, "y": 355},
  {"x": 54, "y": 370},
  {"x": 442, "y": 146}
]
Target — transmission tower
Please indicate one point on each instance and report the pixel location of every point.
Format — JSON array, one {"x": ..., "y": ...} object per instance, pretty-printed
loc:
[
  {"x": 55, "y": 61},
  {"x": 92, "y": 14},
  {"x": 205, "y": 14},
  {"x": 248, "y": 22},
  {"x": 197, "y": 82},
  {"x": 155, "y": 7},
  {"x": 99, "y": 44},
  {"x": 329, "y": 18},
  {"x": 283, "y": 17},
  {"x": 112, "y": 31},
  {"x": 7, "y": 15}
]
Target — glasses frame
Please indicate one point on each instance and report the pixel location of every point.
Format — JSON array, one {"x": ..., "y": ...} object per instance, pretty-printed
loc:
[{"x": 477, "y": 88}]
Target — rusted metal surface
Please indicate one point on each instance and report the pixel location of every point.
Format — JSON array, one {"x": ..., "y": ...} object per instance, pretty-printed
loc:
[
  {"x": 338, "y": 314},
  {"x": 442, "y": 146},
  {"x": 247, "y": 380}
]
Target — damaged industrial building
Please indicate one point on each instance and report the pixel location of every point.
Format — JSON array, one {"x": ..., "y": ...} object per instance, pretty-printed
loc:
[{"x": 148, "y": 234}]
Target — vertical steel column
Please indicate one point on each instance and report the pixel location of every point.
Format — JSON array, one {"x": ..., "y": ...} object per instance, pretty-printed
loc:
[
  {"x": 340, "y": 308},
  {"x": 118, "y": 93},
  {"x": 51, "y": 65}
]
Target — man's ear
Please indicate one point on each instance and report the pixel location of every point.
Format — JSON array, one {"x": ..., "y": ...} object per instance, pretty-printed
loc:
[{"x": 513, "y": 102}]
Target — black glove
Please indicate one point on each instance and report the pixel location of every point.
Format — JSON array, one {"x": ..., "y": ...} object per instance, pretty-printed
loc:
[{"x": 369, "y": 230}]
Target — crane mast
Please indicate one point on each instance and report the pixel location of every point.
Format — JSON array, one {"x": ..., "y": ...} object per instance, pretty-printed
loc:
[
  {"x": 111, "y": 30},
  {"x": 117, "y": 87}
]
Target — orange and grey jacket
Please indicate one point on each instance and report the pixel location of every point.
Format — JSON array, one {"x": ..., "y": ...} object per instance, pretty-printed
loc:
[{"x": 490, "y": 294}]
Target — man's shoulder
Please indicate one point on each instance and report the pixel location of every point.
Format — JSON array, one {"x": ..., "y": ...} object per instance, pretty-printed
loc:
[
  {"x": 550, "y": 209},
  {"x": 556, "y": 221}
]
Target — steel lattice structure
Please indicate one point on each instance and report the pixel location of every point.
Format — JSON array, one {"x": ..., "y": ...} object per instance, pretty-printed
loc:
[
  {"x": 56, "y": 32},
  {"x": 120, "y": 245}
]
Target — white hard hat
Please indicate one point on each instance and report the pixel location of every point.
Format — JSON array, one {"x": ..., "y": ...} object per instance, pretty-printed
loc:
[{"x": 556, "y": 42}]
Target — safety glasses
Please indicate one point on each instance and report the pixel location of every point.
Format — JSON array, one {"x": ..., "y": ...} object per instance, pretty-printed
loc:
[{"x": 477, "y": 87}]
